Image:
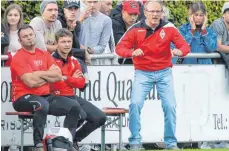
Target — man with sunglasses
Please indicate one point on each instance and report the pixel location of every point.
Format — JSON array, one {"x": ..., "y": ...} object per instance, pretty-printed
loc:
[{"x": 148, "y": 43}]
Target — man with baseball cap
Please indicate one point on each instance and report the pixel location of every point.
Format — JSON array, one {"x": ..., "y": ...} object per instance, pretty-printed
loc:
[
  {"x": 118, "y": 9},
  {"x": 120, "y": 23},
  {"x": 221, "y": 26},
  {"x": 67, "y": 16},
  {"x": 46, "y": 25}
]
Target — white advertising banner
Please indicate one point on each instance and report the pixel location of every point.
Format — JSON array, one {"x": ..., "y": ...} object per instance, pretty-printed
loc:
[{"x": 202, "y": 94}]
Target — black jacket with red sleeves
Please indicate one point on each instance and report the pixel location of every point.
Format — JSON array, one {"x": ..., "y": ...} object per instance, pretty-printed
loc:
[
  {"x": 154, "y": 43},
  {"x": 68, "y": 68}
]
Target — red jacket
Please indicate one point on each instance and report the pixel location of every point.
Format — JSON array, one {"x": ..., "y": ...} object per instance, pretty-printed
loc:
[
  {"x": 68, "y": 67},
  {"x": 154, "y": 43}
]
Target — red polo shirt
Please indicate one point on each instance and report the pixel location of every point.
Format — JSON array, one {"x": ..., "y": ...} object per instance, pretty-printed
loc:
[{"x": 27, "y": 62}]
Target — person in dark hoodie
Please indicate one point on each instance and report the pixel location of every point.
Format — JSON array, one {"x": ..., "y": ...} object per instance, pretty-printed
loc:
[
  {"x": 4, "y": 41},
  {"x": 118, "y": 9},
  {"x": 120, "y": 23},
  {"x": 67, "y": 16}
]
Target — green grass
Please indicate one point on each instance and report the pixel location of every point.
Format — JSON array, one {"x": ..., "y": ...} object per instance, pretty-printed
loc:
[{"x": 198, "y": 150}]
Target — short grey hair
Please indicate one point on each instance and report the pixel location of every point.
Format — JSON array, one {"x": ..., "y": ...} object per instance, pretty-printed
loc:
[{"x": 153, "y": 1}]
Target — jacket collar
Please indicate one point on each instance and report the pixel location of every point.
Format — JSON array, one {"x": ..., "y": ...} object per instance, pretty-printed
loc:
[
  {"x": 161, "y": 24},
  {"x": 57, "y": 56}
]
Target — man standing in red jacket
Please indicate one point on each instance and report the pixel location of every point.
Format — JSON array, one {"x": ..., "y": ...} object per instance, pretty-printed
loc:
[
  {"x": 73, "y": 78},
  {"x": 148, "y": 43}
]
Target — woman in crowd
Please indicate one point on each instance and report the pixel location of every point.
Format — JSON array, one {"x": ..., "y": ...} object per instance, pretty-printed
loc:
[
  {"x": 12, "y": 21},
  {"x": 201, "y": 38}
]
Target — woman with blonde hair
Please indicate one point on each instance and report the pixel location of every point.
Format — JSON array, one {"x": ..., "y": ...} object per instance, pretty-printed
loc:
[
  {"x": 12, "y": 21},
  {"x": 201, "y": 38}
]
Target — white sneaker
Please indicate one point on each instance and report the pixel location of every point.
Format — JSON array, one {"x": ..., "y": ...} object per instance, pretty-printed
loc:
[
  {"x": 205, "y": 145},
  {"x": 84, "y": 148},
  {"x": 95, "y": 147},
  {"x": 227, "y": 145},
  {"x": 222, "y": 145}
]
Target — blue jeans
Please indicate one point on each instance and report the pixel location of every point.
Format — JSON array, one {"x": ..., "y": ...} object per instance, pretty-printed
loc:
[{"x": 143, "y": 83}]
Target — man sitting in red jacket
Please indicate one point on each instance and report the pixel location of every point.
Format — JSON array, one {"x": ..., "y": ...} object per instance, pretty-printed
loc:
[{"x": 73, "y": 78}]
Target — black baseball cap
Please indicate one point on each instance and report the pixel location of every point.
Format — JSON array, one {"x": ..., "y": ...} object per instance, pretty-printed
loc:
[{"x": 71, "y": 3}]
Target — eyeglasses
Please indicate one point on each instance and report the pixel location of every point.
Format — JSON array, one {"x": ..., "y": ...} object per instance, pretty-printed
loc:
[{"x": 154, "y": 11}]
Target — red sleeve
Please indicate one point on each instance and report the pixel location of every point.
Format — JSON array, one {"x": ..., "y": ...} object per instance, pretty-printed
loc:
[
  {"x": 180, "y": 42},
  {"x": 126, "y": 43},
  {"x": 76, "y": 82},
  {"x": 50, "y": 60},
  {"x": 20, "y": 67}
]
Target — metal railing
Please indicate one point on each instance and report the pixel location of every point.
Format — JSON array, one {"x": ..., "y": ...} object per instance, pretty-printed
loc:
[{"x": 112, "y": 56}]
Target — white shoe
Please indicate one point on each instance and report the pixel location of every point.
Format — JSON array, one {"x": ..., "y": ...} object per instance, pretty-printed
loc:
[
  {"x": 227, "y": 145},
  {"x": 95, "y": 147},
  {"x": 84, "y": 148},
  {"x": 205, "y": 145},
  {"x": 222, "y": 145}
]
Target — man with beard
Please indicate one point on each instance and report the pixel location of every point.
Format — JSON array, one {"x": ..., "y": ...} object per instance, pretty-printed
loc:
[
  {"x": 221, "y": 26},
  {"x": 46, "y": 25},
  {"x": 106, "y": 7},
  {"x": 32, "y": 71}
]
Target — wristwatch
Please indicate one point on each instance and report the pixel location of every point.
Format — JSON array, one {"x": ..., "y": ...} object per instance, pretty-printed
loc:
[
  {"x": 89, "y": 50},
  {"x": 64, "y": 78}
]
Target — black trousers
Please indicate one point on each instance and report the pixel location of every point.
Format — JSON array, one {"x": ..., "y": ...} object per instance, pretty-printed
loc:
[
  {"x": 93, "y": 116},
  {"x": 49, "y": 104}
]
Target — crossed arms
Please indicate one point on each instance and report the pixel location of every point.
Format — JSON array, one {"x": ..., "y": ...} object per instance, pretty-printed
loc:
[{"x": 39, "y": 78}]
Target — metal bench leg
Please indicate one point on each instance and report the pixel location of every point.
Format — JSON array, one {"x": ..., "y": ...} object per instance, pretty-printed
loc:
[
  {"x": 120, "y": 132},
  {"x": 22, "y": 133},
  {"x": 103, "y": 138}
]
